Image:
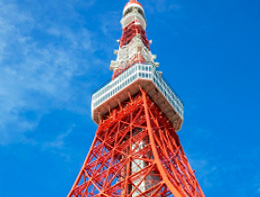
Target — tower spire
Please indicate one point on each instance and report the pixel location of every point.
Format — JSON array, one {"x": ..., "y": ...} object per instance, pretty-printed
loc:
[{"x": 134, "y": 45}]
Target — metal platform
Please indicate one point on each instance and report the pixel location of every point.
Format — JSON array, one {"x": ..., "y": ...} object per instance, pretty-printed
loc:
[{"x": 149, "y": 79}]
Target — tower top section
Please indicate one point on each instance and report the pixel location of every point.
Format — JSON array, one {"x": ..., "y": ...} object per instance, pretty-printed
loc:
[
  {"x": 133, "y": 2},
  {"x": 133, "y": 11},
  {"x": 134, "y": 70}
]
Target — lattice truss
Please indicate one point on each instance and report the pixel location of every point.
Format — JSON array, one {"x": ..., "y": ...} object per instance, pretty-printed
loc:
[
  {"x": 136, "y": 152},
  {"x": 130, "y": 52},
  {"x": 134, "y": 48}
]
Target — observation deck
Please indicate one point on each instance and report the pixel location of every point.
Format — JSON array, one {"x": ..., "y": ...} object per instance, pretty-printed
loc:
[{"x": 146, "y": 76}]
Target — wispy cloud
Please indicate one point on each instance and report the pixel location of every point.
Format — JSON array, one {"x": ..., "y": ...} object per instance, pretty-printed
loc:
[
  {"x": 38, "y": 63},
  {"x": 58, "y": 143},
  {"x": 217, "y": 171}
]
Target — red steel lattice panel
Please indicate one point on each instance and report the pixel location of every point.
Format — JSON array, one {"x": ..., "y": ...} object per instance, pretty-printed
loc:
[
  {"x": 136, "y": 152},
  {"x": 131, "y": 31}
]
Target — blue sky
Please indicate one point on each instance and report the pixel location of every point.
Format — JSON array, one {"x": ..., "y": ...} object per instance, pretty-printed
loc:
[{"x": 54, "y": 53}]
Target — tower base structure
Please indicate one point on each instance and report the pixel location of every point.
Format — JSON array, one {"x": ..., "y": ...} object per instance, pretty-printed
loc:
[{"x": 136, "y": 152}]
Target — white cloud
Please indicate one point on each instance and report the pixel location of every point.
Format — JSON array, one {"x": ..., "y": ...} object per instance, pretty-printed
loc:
[
  {"x": 58, "y": 143},
  {"x": 35, "y": 74}
]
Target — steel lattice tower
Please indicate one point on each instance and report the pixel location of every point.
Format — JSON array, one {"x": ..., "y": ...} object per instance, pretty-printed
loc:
[{"x": 136, "y": 150}]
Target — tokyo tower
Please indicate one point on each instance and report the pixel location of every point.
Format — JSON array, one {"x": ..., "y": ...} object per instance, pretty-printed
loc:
[{"x": 136, "y": 151}]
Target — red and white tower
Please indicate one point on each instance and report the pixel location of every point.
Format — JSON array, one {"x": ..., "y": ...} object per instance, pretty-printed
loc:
[{"x": 136, "y": 151}]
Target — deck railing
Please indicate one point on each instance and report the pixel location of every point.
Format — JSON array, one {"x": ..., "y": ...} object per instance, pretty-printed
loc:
[{"x": 137, "y": 71}]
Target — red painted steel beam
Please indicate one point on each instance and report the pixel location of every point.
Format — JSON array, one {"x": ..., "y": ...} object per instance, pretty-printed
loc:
[{"x": 116, "y": 149}]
